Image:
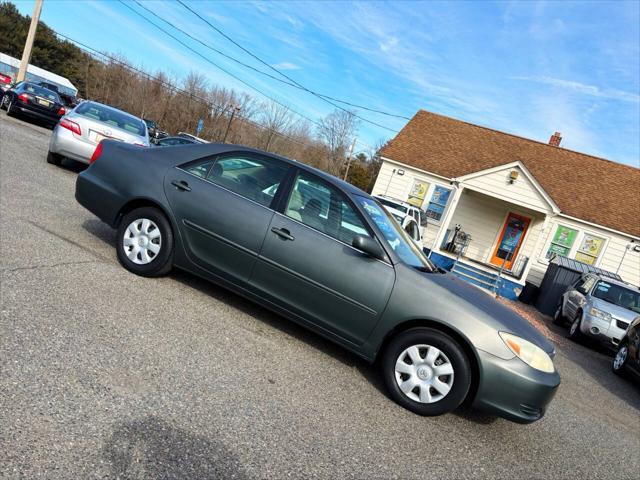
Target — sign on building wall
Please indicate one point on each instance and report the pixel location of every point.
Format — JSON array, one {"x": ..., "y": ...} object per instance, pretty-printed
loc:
[
  {"x": 589, "y": 249},
  {"x": 418, "y": 192}
]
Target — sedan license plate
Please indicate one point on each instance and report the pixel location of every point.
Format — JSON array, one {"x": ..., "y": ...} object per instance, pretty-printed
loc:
[{"x": 45, "y": 103}]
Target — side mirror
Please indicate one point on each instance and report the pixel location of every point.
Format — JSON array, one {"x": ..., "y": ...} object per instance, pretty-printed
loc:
[{"x": 368, "y": 245}]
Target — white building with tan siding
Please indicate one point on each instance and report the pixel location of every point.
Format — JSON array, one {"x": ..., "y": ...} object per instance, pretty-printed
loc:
[{"x": 515, "y": 201}]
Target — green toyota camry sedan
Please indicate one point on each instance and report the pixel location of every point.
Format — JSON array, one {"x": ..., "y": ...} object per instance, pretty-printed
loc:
[{"x": 327, "y": 255}]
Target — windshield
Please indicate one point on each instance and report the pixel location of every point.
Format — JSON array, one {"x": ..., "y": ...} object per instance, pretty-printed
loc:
[
  {"x": 394, "y": 205},
  {"x": 395, "y": 236},
  {"x": 618, "y": 295},
  {"x": 112, "y": 117}
]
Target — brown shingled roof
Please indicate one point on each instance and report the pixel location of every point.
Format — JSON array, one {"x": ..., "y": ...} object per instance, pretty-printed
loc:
[{"x": 586, "y": 187}]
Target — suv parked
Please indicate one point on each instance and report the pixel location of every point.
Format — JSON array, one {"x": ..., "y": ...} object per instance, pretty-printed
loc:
[
  {"x": 410, "y": 217},
  {"x": 599, "y": 307}
]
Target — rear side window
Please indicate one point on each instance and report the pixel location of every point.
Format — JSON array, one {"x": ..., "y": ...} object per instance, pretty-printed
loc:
[
  {"x": 322, "y": 207},
  {"x": 112, "y": 117},
  {"x": 257, "y": 179}
]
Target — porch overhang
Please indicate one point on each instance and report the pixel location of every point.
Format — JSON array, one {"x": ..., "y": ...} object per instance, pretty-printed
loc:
[{"x": 545, "y": 203}]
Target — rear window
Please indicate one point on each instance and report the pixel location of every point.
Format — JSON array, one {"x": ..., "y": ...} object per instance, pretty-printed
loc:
[
  {"x": 42, "y": 92},
  {"x": 395, "y": 206},
  {"x": 112, "y": 117}
]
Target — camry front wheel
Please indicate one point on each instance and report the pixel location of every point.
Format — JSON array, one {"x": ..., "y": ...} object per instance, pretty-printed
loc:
[{"x": 426, "y": 371}]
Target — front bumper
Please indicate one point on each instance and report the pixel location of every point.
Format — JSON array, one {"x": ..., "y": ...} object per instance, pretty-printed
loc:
[
  {"x": 514, "y": 390},
  {"x": 605, "y": 331},
  {"x": 66, "y": 143}
]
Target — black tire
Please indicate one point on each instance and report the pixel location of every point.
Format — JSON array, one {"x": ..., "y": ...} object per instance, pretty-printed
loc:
[
  {"x": 619, "y": 367},
  {"x": 9, "y": 108},
  {"x": 54, "y": 158},
  {"x": 575, "y": 333},
  {"x": 558, "y": 318},
  {"x": 450, "y": 348},
  {"x": 161, "y": 263}
]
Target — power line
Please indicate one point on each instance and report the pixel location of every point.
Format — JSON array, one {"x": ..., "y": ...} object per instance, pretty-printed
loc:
[
  {"x": 262, "y": 72},
  {"x": 208, "y": 60},
  {"x": 208, "y": 103},
  {"x": 324, "y": 98}
]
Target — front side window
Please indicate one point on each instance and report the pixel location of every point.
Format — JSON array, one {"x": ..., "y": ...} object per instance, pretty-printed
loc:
[
  {"x": 318, "y": 205},
  {"x": 395, "y": 236},
  {"x": 254, "y": 178},
  {"x": 562, "y": 241},
  {"x": 438, "y": 203}
]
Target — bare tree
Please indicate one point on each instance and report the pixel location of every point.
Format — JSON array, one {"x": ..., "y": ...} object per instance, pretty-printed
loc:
[
  {"x": 277, "y": 119},
  {"x": 336, "y": 130}
]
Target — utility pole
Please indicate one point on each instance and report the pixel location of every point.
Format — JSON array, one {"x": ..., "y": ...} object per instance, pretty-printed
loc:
[
  {"x": 234, "y": 109},
  {"x": 353, "y": 145},
  {"x": 26, "y": 53}
]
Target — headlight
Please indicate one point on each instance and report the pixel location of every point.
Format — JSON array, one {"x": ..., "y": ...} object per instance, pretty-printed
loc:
[
  {"x": 527, "y": 352},
  {"x": 595, "y": 312}
]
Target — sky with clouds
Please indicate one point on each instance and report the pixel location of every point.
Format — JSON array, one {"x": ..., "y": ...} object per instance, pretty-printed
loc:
[{"x": 524, "y": 67}]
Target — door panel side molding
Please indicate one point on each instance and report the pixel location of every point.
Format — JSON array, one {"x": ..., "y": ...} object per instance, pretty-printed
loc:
[{"x": 218, "y": 237}]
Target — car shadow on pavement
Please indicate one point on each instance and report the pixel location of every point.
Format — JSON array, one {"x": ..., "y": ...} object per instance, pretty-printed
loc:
[
  {"x": 368, "y": 371},
  {"x": 73, "y": 166},
  {"x": 154, "y": 448}
]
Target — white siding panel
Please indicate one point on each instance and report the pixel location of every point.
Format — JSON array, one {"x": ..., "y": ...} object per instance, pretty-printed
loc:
[{"x": 522, "y": 192}]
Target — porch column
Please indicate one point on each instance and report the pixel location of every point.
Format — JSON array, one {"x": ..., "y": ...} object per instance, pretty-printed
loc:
[
  {"x": 446, "y": 220},
  {"x": 542, "y": 238}
]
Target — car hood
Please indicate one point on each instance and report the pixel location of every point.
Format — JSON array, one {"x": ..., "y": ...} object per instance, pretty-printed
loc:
[
  {"x": 615, "y": 310},
  {"x": 503, "y": 318}
]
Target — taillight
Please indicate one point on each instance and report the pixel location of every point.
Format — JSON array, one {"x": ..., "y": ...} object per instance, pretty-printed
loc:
[
  {"x": 69, "y": 125},
  {"x": 23, "y": 97},
  {"x": 5, "y": 79},
  {"x": 137, "y": 144},
  {"x": 96, "y": 153},
  {"x": 62, "y": 111}
]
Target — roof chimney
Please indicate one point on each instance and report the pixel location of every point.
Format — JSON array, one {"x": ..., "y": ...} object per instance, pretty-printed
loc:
[{"x": 555, "y": 139}]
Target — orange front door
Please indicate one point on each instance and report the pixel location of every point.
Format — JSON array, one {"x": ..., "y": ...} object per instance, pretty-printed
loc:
[{"x": 510, "y": 240}]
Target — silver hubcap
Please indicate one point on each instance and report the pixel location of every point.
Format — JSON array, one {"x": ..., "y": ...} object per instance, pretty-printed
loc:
[
  {"x": 142, "y": 241},
  {"x": 621, "y": 357},
  {"x": 574, "y": 326},
  {"x": 424, "y": 373}
]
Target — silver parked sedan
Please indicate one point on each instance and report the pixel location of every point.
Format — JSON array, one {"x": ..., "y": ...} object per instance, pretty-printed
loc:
[{"x": 81, "y": 130}]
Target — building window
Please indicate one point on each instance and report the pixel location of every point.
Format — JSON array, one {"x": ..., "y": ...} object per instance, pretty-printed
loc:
[
  {"x": 438, "y": 203},
  {"x": 417, "y": 193},
  {"x": 562, "y": 241},
  {"x": 589, "y": 249}
]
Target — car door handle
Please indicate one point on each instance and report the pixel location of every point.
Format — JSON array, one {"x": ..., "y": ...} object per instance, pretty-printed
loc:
[
  {"x": 181, "y": 185},
  {"x": 283, "y": 233}
]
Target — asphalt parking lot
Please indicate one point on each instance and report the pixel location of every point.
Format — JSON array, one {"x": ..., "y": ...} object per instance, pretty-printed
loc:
[{"x": 107, "y": 375}]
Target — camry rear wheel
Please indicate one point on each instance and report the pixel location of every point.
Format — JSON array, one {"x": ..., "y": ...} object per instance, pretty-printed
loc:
[
  {"x": 426, "y": 371},
  {"x": 145, "y": 242}
]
